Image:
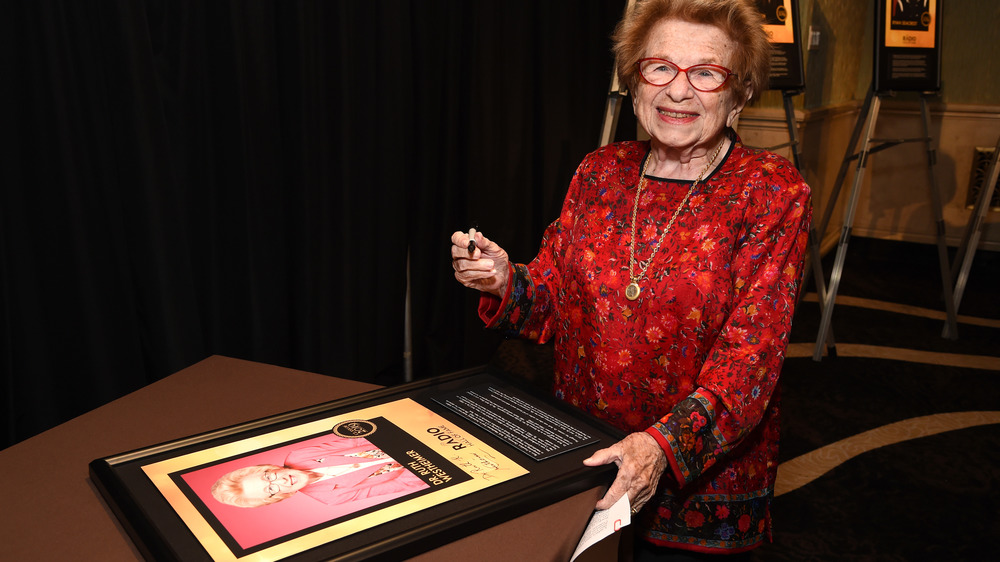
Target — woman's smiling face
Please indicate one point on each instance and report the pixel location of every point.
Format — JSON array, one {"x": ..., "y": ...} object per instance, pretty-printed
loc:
[
  {"x": 677, "y": 116},
  {"x": 273, "y": 481}
]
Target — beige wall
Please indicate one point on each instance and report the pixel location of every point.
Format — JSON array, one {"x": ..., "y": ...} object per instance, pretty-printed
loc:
[{"x": 894, "y": 201}]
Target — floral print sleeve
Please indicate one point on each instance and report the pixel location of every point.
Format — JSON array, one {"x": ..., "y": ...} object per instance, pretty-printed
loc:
[
  {"x": 740, "y": 371},
  {"x": 528, "y": 309}
]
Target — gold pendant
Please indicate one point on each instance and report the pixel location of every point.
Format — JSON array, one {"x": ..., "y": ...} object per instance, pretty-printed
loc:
[{"x": 632, "y": 291}]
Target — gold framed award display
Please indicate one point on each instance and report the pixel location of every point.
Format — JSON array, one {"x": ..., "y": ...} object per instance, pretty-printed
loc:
[{"x": 394, "y": 471}]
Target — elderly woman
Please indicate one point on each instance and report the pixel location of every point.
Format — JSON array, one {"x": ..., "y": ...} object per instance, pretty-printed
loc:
[
  {"x": 668, "y": 282},
  {"x": 333, "y": 472}
]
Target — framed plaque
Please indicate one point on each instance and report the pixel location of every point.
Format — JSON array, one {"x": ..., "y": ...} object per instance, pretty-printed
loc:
[
  {"x": 781, "y": 22},
  {"x": 907, "y": 45},
  {"x": 389, "y": 474}
]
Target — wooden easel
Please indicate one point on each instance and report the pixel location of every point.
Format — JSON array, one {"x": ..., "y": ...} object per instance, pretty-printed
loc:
[
  {"x": 870, "y": 145},
  {"x": 616, "y": 96},
  {"x": 973, "y": 231}
]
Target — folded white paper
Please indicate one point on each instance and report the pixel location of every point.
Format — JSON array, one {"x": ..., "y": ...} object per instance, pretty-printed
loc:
[{"x": 603, "y": 523}]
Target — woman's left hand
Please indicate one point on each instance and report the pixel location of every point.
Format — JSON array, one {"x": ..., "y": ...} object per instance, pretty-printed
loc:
[{"x": 640, "y": 462}]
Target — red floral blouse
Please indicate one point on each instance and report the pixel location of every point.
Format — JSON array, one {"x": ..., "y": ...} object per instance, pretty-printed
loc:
[{"x": 694, "y": 360}]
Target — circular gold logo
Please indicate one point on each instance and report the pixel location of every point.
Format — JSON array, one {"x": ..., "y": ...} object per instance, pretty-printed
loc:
[{"x": 353, "y": 429}]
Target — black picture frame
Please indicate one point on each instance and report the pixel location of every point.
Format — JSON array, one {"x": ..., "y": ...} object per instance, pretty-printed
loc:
[
  {"x": 161, "y": 533},
  {"x": 781, "y": 22},
  {"x": 907, "y": 46}
]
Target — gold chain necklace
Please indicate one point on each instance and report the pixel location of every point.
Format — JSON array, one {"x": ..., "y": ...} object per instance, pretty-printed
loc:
[{"x": 632, "y": 290}]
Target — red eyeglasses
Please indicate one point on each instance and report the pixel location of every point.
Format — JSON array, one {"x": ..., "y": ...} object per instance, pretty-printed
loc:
[{"x": 703, "y": 77}]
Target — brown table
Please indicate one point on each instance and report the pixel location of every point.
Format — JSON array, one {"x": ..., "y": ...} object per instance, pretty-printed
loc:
[{"x": 52, "y": 511}]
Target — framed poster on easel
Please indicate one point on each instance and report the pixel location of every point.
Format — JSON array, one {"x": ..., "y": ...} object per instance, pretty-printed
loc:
[
  {"x": 907, "y": 57},
  {"x": 781, "y": 22},
  {"x": 907, "y": 45}
]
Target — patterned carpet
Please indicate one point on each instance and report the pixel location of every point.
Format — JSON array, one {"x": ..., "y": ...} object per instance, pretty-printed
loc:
[{"x": 891, "y": 449}]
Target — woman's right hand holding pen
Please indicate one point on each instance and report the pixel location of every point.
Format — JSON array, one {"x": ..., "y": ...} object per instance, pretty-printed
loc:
[{"x": 479, "y": 262}]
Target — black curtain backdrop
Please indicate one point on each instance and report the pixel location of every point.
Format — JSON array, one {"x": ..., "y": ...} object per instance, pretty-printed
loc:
[{"x": 189, "y": 178}]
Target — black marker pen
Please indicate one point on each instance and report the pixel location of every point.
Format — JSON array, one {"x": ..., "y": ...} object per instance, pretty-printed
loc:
[{"x": 472, "y": 240}]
